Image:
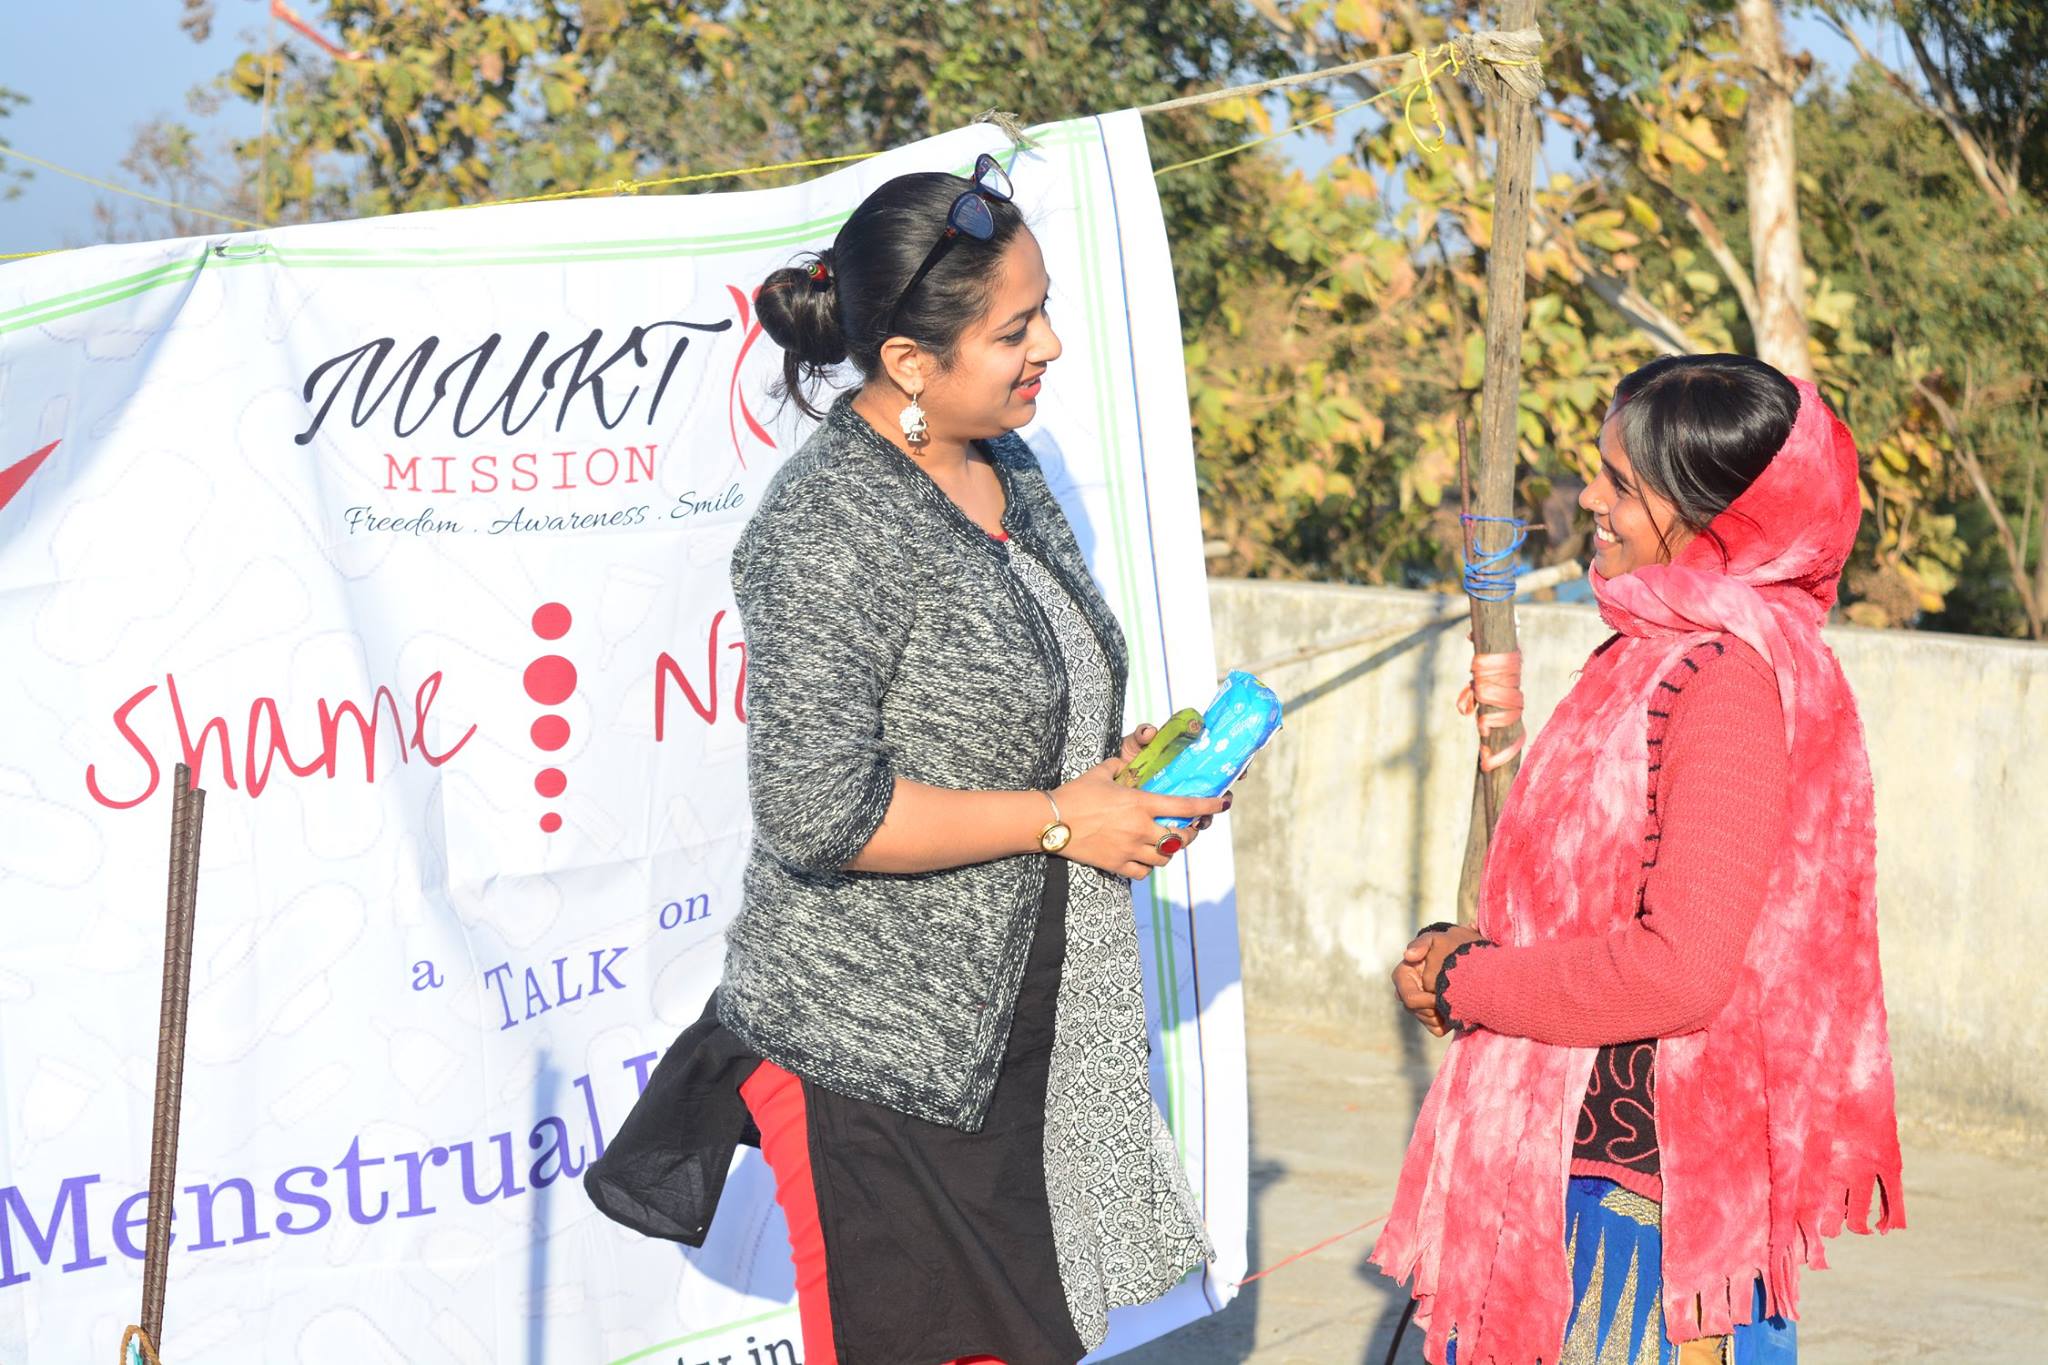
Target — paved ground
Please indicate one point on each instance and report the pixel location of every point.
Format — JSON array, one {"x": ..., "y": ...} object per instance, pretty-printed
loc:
[{"x": 1967, "y": 1280}]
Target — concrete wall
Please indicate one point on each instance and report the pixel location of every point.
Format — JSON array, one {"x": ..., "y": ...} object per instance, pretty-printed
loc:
[{"x": 1350, "y": 830}]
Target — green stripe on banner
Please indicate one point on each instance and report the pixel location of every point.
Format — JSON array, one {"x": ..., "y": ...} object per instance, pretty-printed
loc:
[
  {"x": 415, "y": 258},
  {"x": 189, "y": 270},
  {"x": 1133, "y": 613},
  {"x": 123, "y": 282},
  {"x": 830, "y": 220}
]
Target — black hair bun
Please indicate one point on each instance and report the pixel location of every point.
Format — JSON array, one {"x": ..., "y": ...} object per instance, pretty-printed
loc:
[{"x": 800, "y": 311}]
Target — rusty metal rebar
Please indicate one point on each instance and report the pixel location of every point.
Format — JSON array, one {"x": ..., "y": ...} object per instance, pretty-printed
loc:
[{"x": 188, "y": 810}]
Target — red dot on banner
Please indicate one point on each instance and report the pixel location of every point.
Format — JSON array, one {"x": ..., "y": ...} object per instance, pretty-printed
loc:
[
  {"x": 551, "y": 782},
  {"x": 550, "y": 679},
  {"x": 551, "y": 622},
  {"x": 550, "y": 733},
  {"x": 550, "y": 822}
]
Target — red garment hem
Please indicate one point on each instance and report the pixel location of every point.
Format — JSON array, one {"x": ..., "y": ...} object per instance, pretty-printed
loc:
[
  {"x": 776, "y": 1100},
  {"x": 1648, "y": 1184}
]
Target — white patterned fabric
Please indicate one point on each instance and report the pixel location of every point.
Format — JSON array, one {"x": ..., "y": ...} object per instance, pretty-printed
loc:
[{"x": 1125, "y": 1226}]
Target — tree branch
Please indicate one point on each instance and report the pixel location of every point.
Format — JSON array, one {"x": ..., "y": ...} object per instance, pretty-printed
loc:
[
  {"x": 1717, "y": 247},
  {"x": 2026, "y": 536},
  {"x": 1863, "y": 53},
  {"x": 1947, "y": 113},
  {"x": 1284, "y": 28},
  {"x": 1663, "y": 332},
  {"x": 2041, "y": 559},
  {"x": 2004, "y": 185},
  {"x": 2015, "y": 552}
]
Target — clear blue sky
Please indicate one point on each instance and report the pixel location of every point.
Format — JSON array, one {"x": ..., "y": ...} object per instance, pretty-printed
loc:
[{"x": 96, "y": 70}]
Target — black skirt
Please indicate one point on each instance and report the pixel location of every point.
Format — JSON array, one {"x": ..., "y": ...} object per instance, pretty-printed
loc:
[{"x": 938, "y": 1242}]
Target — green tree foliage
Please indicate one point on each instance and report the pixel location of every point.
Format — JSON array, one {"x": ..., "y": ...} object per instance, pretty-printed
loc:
[
  {"x": 1950, "y": 308},
  {"x": 1331, "y": 384},
  {"x": 460, "y": 101},
  {"x": 1922, "y": 296},
  {"x": 1948, "y": 294},
  {"x": 1986, "y": 62}
]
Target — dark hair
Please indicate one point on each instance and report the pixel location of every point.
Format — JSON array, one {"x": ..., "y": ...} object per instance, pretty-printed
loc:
[
  {"x": 1700, "y": 429},
  {"x": 821, "y": 318}
]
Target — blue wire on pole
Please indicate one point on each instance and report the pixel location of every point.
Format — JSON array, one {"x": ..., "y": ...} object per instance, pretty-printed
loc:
[{"x": 1490, "y": 574}]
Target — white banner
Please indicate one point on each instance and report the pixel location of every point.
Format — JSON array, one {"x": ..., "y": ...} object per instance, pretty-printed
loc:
[{"x": 411, "y": 537}]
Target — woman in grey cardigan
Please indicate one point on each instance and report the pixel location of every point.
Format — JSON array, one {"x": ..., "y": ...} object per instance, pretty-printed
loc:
[{"x": 933, "y": 1006}]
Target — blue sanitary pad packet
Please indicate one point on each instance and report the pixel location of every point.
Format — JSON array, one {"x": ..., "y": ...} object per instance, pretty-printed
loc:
[{"x": 1237, "y": 725}]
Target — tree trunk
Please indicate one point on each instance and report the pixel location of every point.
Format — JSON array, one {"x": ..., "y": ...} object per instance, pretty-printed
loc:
[
  {"x": 2040, "y": 628},
  {"x": 1781, "y": 334}
]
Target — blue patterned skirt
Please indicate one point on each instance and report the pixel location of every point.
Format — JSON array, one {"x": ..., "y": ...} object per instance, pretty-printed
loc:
[{"x": 1615, "y": 1243}]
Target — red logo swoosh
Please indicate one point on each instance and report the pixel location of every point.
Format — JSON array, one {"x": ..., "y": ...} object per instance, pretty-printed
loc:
[
  {"x": 15, "y": 475},
  {"x": 735, "y": 397}
]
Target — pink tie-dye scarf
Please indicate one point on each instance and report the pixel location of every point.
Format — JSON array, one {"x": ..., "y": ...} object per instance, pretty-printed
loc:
[{"x": 1775, "y": 1124}]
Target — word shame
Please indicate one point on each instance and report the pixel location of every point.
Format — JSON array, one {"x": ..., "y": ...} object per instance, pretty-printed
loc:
[{"x": 342, "y": 725}]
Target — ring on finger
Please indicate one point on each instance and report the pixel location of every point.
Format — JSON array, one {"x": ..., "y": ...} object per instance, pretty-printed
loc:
[{"x": 1169, "y": 843}]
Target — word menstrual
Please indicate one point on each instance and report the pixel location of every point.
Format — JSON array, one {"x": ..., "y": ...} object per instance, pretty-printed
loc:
[
  {"x": 342, "y": 725},
  {"x": 590, "y": 377},
  {"x": 88, "y": 1214},
  {"x": 545, "y": 990}
]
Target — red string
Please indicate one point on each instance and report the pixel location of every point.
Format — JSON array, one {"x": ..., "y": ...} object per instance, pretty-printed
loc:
[{"x": 1310, "y": 1251}]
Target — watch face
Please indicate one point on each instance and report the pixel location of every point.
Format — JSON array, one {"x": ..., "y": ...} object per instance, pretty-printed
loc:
[{"x": 1055, "y": 838}]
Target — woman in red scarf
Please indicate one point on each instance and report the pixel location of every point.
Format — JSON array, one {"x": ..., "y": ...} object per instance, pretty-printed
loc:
[{"x": 1670, "y": 1079}]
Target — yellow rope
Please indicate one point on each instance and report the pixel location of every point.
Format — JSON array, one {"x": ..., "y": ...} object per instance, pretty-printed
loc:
[
  {"x": 1423, "y": 86},
  {"x": 1270, "y": 137},
  {"x": 1420, "y": 85},
  {"x": 5, "y": 150},
  {"x": 635, "y": 186},
  {"x": 1411, "y": 88}
]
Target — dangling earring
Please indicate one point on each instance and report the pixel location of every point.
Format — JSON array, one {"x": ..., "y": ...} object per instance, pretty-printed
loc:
[{"x": 915, "y": 429}]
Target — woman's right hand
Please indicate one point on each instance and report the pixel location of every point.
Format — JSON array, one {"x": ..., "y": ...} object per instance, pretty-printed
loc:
[{"x": 1114, "y": 826}]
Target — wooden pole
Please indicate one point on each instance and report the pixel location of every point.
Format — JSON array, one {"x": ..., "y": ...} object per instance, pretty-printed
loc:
[
  {"x": 188, "y": 809},
  {"x": 1493, "y": 623}
]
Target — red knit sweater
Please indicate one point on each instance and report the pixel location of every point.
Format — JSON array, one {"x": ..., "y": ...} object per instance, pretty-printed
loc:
[{"x": 1719, "y": 775}]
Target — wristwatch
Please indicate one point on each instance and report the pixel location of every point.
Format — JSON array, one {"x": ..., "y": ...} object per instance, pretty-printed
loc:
[{"x": 1054, "y": 836}]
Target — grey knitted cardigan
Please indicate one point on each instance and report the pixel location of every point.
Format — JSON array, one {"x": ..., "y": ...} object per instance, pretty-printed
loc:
[{"x": 888, "y": 637}]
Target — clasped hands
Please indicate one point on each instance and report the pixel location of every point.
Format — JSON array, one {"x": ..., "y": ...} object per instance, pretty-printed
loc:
[
  {"x": 1115, "y": 827},
  {"x": 1421, "y": 967}
]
